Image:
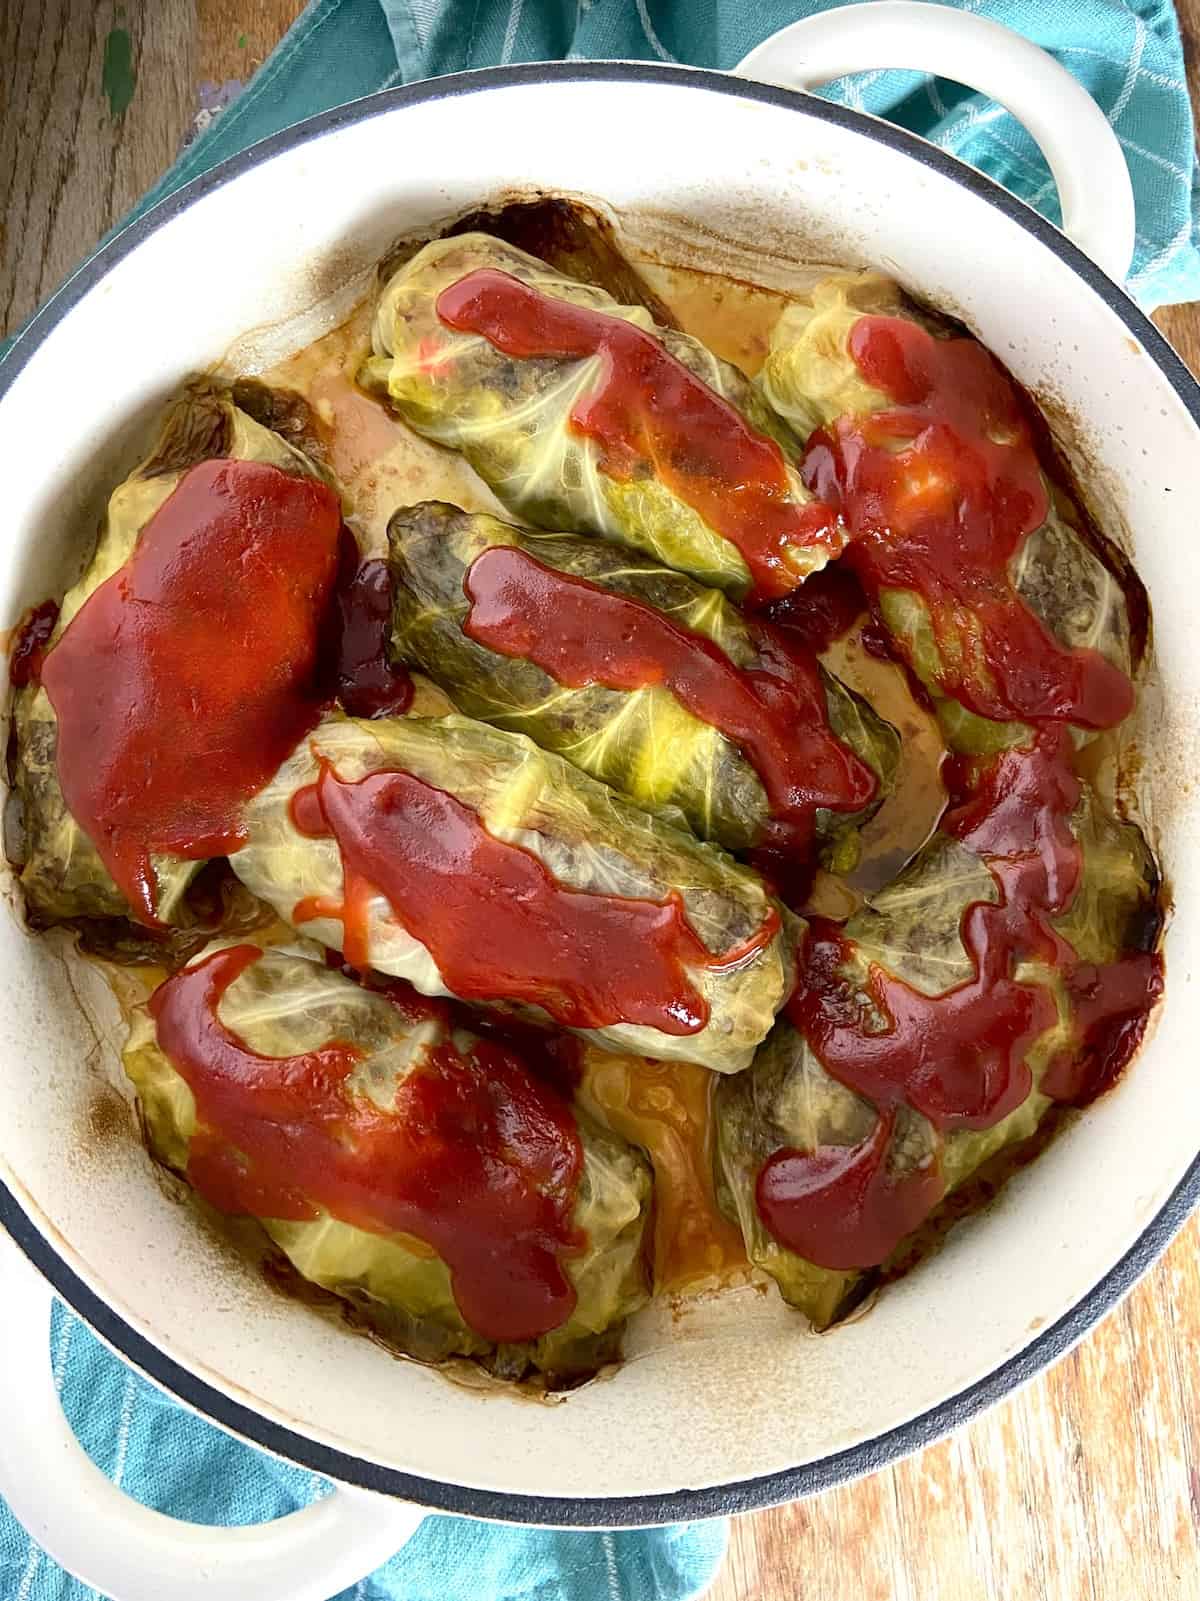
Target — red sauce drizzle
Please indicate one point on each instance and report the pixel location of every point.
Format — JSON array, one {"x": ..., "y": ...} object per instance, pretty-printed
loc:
[
  {"x": 939, "y": 493},
  {"x": 582, "y": 634},
  {"x": 650, "y": 416},
  {"x": 185, "y": 680},
  {"x": 29, "y": 650},
  {"x": 476, "y": 1157},
  {"x": 589, "y": 960},
  {"x": 959, "y": 1057},
  {"x": 1110, "y": 1006},
  {"x": 841, "y": 1206},
  {"x": 358, "y": 668}
]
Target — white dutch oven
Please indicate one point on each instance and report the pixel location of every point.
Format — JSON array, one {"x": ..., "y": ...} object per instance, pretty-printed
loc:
[{"x": 732, "y": 1405}]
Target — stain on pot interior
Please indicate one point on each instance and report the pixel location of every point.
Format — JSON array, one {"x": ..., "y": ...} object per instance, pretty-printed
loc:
[{"x": 109, "y": 1121}]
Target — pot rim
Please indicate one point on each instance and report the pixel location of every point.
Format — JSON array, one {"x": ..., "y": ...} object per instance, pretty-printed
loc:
[{"x": 716, "y": 1500}]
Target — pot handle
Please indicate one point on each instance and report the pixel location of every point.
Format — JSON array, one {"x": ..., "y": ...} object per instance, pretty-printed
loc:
[
  {"x": 1076, "y": 138},
  {"x": 127, "y": 1551}
]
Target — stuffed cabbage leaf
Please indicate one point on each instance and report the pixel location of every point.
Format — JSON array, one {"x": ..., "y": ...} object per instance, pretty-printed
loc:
[
  {"x": 976, "y": 562},
  {"x": 421, "y": 1173},
  {"x": 643, "y": 740},
  {"x": 867, "y": 1165},
  {"x": 470, "y": 862},
  {"x": 63, "y": 874},
  {"x": 582, "y": 414},
  {"x": 574, "y": 240}
]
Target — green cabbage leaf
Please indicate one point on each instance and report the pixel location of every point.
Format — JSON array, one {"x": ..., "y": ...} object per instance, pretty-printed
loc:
[
  {"x": 912, "y": 931},
  {"x": 643, "y": 742},
  {"x": 62, "y": 873},
  {"x": 288, "y": 1003}
]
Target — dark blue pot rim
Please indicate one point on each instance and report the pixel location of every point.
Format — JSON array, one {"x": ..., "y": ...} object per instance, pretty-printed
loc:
[{"x": 717, "y": 1500}]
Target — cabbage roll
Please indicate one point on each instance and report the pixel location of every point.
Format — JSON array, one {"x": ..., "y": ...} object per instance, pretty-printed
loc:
[
  {"x": 582, "y": 414},
  {"x": 493, "y": 640},
  {"x": 913, "y": 430},
  {"x": 406, "y": 1165},
  {"x": 860, "y": 1165},
  {"x": 470, "y": 862},
  {"x": 63, "y": 874},
  {"x": 573, "y": 240}
]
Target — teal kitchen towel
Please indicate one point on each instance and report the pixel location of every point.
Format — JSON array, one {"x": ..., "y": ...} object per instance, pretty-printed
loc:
[
  {"x": 1126, "y": 52},
  {"x": 172, "y": 1460}
]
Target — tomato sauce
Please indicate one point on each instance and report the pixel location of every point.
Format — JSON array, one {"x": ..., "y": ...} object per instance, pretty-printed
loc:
[
  {"x": 649, "y": 415},
  {"x": 476, "y": 1157},
  {"x": 938, "y": 493},
  {"x": 840, "y": 1205},
  {"x": 358, "y": 668},
  {"x": 185, "y": 680},
  {"x": 582, "y": 634}
]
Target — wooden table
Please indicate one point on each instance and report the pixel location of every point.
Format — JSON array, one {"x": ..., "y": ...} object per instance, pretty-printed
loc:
[{"x": 1086, "y": 1485}]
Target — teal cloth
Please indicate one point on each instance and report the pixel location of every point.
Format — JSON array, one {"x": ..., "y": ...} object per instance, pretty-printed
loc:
[
  {"x": 1130, "y": 58},
  {"x": 172, "y": 1460}
]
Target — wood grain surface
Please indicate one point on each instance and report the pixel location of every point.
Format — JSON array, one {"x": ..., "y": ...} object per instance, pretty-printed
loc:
[
  {"x": 71, "y": 162},
  {"x": 1083, "y": 1487}
]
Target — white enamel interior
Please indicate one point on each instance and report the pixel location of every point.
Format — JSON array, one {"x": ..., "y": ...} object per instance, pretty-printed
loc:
[{"x": 737, "y": 1388}]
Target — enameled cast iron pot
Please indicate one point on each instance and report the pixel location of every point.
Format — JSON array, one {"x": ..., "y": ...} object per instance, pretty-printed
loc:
[{"x": 732, "y": 1405}]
